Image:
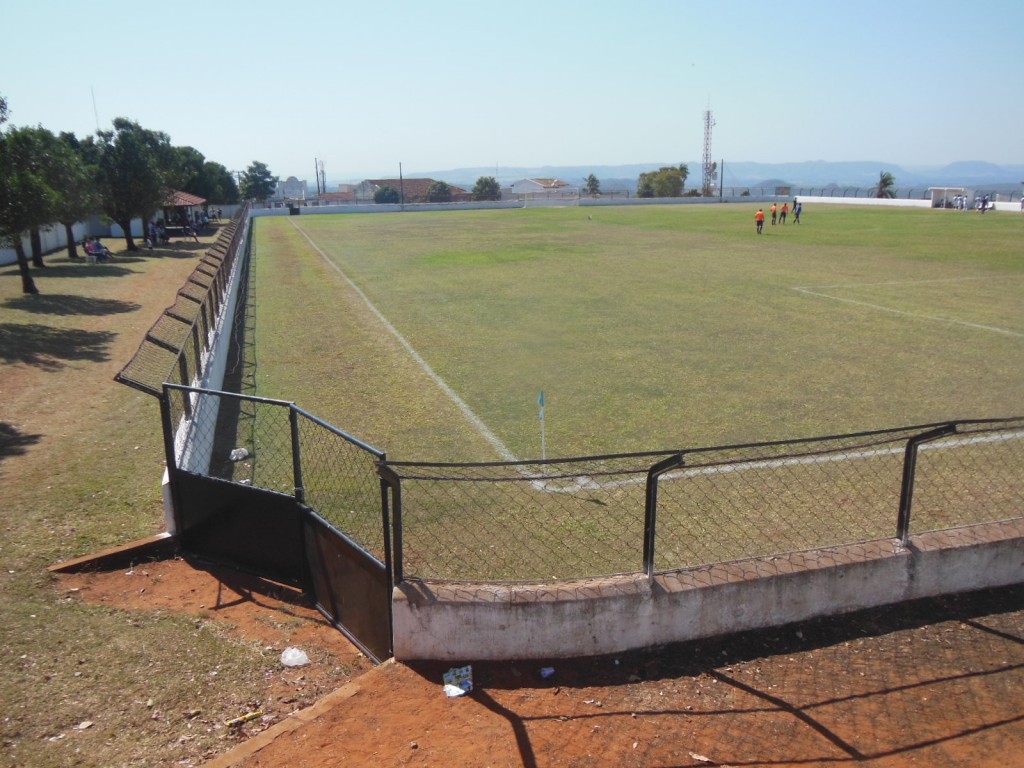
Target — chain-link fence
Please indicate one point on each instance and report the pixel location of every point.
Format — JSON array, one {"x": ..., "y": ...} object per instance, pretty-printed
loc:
[
  {"x": 175, "y": 348},
  {"x": 573, "y": 518},
  {"x": 583, "y": 518},
  {"x": 598, "y": 516},
  {"x": 275, "y": 446}
]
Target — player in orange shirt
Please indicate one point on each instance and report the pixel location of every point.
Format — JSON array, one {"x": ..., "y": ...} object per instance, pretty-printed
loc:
[{"x": 759, "y": 219}]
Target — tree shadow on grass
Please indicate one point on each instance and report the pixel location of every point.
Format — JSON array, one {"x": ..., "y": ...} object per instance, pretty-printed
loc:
[
  {"x": 13, "y": 442},
  {"x": 69, "y": 269},
  {"x": 47, "y": 348},
  {"x": 69, "y": 304},
  {"x": 157, "y": 253}
]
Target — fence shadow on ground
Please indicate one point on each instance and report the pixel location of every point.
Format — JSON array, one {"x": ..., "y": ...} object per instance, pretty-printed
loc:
[{"x": 842, "y": 689}]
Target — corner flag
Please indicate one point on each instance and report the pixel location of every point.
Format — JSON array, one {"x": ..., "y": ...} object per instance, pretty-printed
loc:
[{"x": 543, "y": 447}]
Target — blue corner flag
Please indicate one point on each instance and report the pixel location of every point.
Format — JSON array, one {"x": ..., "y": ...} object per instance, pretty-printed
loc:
[{"x": 540, "y": 402}]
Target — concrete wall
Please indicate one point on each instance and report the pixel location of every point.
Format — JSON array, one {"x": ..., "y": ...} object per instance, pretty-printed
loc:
[
  {"x": 54, "y": 238},
  {"x": 374, "y": 208},
  {"x": 458, "y": 621}
]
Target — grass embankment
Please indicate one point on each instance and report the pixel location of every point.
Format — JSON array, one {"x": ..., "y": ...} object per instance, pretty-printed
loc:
[{"x": 80, "y": 465}]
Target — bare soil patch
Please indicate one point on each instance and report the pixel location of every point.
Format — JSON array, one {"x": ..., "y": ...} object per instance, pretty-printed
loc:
[
  {"x": 254, "y": 610},
  {"x": 932, "y": 683}
]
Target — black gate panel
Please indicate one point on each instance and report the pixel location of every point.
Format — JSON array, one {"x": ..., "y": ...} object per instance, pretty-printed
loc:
[
  {"x": 351, "y": 587},
  {"x": 244, "y": 527}
]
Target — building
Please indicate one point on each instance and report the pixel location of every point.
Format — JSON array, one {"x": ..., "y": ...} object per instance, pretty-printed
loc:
[
  {"x": 541, "y": 188},
  {"x": 411, "y": 190},
  {"x": 291, "y": 189}
]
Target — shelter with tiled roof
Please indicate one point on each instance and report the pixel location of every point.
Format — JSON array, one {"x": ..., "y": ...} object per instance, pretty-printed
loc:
[{"x": 177, "y": 203}]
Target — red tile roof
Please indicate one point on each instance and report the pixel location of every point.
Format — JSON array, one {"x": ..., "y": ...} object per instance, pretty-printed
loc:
[{"x": 176, "y": 199}]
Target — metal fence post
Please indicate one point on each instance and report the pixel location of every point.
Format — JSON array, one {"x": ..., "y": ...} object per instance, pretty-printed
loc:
[
  {"x": 389, "y": 481},
  {"x": 300, "y": 491},
  {"x": 909, "y": 472},
  {"x": 170, "y": 459},
  {"x": 651, "y": 507}
]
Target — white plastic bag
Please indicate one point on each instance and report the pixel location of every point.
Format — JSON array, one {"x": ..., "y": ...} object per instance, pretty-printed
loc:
[{"x": 294, "y": 657}]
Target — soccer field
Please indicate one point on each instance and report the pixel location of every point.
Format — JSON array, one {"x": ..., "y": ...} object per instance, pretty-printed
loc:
[{"x": 431, "y": 334}]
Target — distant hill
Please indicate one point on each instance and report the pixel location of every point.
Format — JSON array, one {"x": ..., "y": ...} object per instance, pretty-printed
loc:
[{"x": 812, "y": 173}]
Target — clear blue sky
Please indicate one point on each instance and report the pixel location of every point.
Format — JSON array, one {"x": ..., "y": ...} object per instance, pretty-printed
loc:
[{"x": 438, "y": 85}]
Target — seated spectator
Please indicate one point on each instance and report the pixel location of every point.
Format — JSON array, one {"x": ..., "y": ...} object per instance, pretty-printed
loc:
[
  {"x": 101, "y": 248},
  {"x": 93, "y": 253}
]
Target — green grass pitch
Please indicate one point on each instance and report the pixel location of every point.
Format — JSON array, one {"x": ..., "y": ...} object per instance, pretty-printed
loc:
[{"x": 430, "y": 334}]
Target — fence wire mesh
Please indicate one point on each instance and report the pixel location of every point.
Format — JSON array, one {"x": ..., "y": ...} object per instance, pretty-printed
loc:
[
  {"x": 974, "y": 476},
  {"x": 735, "y": 503},
  {"x": 156, "y": 361},
  {"x": 524, "y": 521},
  {"x": 341, "y": 483},
  {"x": 584, "y": 518}
]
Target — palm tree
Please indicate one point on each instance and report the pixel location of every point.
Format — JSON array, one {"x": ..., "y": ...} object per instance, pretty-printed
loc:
[{"x": 886, "y": 186}]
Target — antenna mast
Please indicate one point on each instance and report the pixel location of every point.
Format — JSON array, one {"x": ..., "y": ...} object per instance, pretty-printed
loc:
[{"x": 709, "y": 167}]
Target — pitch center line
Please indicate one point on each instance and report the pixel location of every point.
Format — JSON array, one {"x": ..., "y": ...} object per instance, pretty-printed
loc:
[
  {"x": 918, "y": 315},
  {"x": 466, "y": 411}
]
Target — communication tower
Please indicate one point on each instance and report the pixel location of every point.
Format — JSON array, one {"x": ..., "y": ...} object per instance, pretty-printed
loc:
[{"x": 709, "y": 168}]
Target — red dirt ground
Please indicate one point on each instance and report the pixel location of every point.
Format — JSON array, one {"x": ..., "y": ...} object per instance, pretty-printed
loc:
[{"x": 933, "y": 683}]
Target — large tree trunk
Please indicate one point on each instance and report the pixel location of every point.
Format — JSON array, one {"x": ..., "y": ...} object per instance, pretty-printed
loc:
[
  {"x": 69, "y": 234},
  {"x": 126, "y": 227},
  {"x": 37, "y": 248},
  {"x": 28, "y": 285}
]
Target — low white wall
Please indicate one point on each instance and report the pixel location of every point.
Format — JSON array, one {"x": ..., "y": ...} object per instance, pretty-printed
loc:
[
  {"x": 195, "y": 455},
  {"x": 460, "y": 622},
  {"x": 53, "y": 238},
  {"x": 875, "y": 201},
  {"x": 313, "y": 210}
]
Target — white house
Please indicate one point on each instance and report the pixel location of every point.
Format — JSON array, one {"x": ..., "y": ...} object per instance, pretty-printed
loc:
[
  {"x": 291, "y": 189},
  {"x": 537, "y": 187}
]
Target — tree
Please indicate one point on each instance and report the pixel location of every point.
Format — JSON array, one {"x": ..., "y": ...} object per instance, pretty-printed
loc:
[
  {"x": 439, "y": 192},
  {"x": 26, "y": 201},
  {"x": 216, "y": 184},
  {"x": 386, "y": 194},
  {"x": 665, "y": 182},
  {"x": 886, "y": 187},
  {"x": 486, "y": 188},
  {"x": 593, "y": 185},
  {"x": 135, "y": 167},
  {"x": 74, "y": 182},
  {"x": 257, "y": 182},
  {"x": 187, "y": 169},
  {"x": 198, "y": 176}
]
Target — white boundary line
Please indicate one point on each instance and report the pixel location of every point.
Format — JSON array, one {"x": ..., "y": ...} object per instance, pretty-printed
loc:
[
  {"x": 584, "y": 483},
  {"x": 936, "y": 318},
  {"x": 475, "y": 420}
]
